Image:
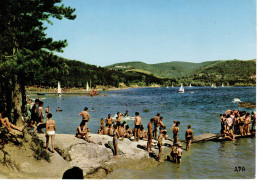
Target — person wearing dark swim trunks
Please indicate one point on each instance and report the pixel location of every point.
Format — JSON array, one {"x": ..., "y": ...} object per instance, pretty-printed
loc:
[
  {"x": 188, "y": 137},
  {"x": 138, "y": 123},
  {"x": 150, "y": 135},
  {"x": 85, "y": 116},
  {"x": 175, "y": 130},
  {"x": 179, "y": 153},
  {"x": 109, "y": 120}
]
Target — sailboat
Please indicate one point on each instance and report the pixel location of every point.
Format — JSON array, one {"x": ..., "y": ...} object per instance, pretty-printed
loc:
[
  {"x": 214, "y": 86},
  {"x": 167, "y": 87},
  {"x": 172, "y": 85},
  {"x": 59, "y": 89},
  {"x": 87, "y": 87},
  {"x": 190, "y": 85},
  {"x": 181, "y": 90},
  {"x": 223, "y": 85}
]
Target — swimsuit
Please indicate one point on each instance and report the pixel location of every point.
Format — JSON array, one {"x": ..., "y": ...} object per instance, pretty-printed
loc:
[
  {"x": 50, "y": 133},
  {"x": 137, "y": 126},
  {"x": 188, "y": 138}
]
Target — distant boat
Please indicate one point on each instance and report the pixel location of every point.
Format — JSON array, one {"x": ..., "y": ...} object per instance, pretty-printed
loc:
[
  {"x": 87, "y": 87},
  {"x": 181, "y": 90},
  {"x": 40, "y": 94},
  {"x": 190, "y": 85},
  {"x": 223, "y": 85},
  {"x": 214, "y": 86},
  {"x": 236, "y": 100},
  {"x": 59, "y": 88},
  {"x": 172, "y": 85},
  {"x": 167, "y": 87}
]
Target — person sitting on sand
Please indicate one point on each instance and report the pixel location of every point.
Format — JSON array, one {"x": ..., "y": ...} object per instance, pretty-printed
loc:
[
  {"x": 159, "y": 144},
  {"x": 115, "y": 140},
  {"x": 129, "y": 132},
  {"x": 143, "y": 133},
  {"x": 109, "y": 120},
  {"x": 138, "y": 123},
  {"x": 150, "y": 135},
  {"x": 50, "y": 131},
  {"x": 6, "y": 123},
  {"x": 85, "y": 116},
  {"x": 32, "y": 125},
  {"x": 179, "y": 153},
  {"x": 81, "y": 132},
  {"x": 188, "y": 137}
]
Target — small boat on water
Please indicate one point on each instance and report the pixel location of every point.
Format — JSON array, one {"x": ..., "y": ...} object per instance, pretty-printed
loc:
[
  {"x": 40, "y": 94},
  {"x": 87, "y": 87},
  {"x": 213, "y": 86},
  {"x": 190, "y": 85},
  {"x": 167, "y": 87},
  {"x": 124, "y": 118},
  {"x": 181, "y": 90},
  {"x": 59, "y": 89},
  {"x": 236, "y": 100},
  {"x": 222, "y": 85}
]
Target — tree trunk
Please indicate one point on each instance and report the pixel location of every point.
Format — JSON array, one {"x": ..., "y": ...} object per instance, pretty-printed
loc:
[{"x": 17, "y": 102}]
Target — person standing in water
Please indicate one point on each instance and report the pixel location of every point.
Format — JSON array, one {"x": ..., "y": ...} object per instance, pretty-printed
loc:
[
  {"x": 175, "y": 130},
  {"x": 150, "y": 135},
  {"x": 138, "y": 123},
  {"x": 85, "y": 116},
  {"x": 159, "y": 144},
  {"x": 156, "y": 126},
  {"x": 188, "y": 137},
  {"x": 50, "y": 132}
]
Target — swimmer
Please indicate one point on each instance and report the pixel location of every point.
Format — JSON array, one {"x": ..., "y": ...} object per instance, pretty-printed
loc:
[
  {"x": 150, "y": 135},
  {"x": 138, "y": 123},
  {"x": 188, "y": 137}
]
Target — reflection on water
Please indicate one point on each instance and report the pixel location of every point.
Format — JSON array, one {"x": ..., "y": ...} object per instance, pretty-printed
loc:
[{"x": 201, "y": 110}]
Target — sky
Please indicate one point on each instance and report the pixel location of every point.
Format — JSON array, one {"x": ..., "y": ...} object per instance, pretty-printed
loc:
[{"x": 155, "y": 31}]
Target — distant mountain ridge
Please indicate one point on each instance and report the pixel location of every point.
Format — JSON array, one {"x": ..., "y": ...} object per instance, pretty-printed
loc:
[{"x": 176, "y": 69}]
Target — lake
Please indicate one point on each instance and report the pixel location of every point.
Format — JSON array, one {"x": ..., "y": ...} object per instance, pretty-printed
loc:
[{"x": 201, "y": 109}]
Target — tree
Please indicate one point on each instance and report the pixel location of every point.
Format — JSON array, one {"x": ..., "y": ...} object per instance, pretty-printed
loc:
[{"x": 22, "y": 37}]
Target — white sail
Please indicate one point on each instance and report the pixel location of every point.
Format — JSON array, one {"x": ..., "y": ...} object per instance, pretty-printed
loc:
[
  {"x": 212, "y": 85},
  {"x": 190, "y": 85},
  {"x": 181, "y": 90},
  {"x": 223, "y": 85},
  {"x": 87, "y": 87},
  {"x": 172, "y": 85},
  {"x": 59, "y": 88},
  {"x": 167, "y": 87}
]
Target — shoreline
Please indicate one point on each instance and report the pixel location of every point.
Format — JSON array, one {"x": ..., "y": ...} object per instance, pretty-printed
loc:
[{"x": 95, "y": 159}]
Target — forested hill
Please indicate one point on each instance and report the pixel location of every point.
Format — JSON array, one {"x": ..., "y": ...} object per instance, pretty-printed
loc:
[
  {"x": 164, "y": 70},
  {"x": 230, "y": 72}
]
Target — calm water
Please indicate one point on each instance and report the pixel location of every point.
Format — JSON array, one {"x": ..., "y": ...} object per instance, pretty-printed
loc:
[{"x": 201, "y": 110}]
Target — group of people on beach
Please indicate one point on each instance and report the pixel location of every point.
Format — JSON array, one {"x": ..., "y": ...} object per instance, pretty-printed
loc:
[
  {"x": 119, "y": 130},
  {"x": 237, "y": 122}
]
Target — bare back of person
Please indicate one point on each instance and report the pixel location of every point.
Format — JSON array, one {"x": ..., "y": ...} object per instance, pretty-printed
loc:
[
  {"x": 138, "y": 120},
  {"x": 105, "y": 130},
  {"x": 85, "y": 115}
]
